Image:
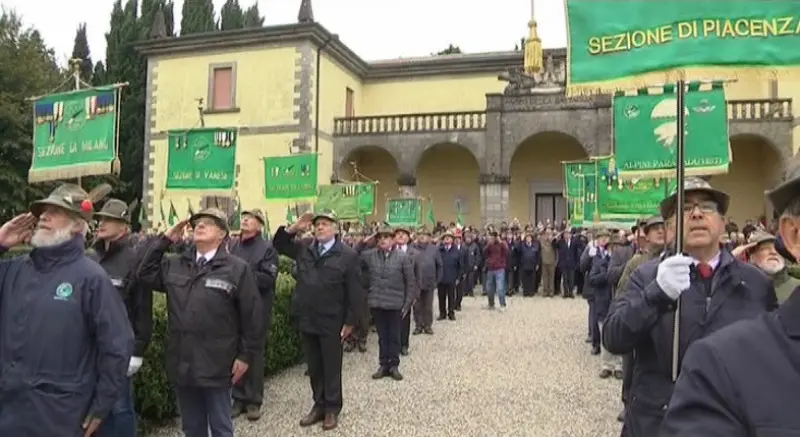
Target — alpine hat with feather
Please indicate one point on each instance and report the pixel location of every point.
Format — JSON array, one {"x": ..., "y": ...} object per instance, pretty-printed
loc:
[
  {"x": 116, "y": 209},
  {"x": 72, "y": 199}
]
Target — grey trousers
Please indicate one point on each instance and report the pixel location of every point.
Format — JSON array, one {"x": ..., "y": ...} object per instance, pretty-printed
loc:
[
  {"x": 423, "y": 310},
  {"x": 250, "y": 389}
]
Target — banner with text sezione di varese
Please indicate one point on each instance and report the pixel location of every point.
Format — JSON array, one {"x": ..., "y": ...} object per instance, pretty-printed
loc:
[
  {"x": 616, "y": 45},
  {"x": 75, "y": 134},
  {"x": 202, "y": 159},
  {"x": 646, "y": 132}
]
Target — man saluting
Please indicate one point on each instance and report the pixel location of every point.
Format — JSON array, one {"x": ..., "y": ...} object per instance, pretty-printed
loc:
[{"x": 326, "y": 303}]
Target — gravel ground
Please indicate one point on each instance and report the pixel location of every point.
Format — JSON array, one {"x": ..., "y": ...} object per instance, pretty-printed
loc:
[{"x": 523, "y": 373}]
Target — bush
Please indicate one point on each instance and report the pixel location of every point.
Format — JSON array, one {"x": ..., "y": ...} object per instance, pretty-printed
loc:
[{"x": 155, "y": 400}]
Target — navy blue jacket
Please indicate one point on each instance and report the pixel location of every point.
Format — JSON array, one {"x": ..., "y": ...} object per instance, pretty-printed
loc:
[
  {"x": 530, "y": 257},
  {"x": 568, "y": 256},
  {"x": 452, "y": 267},
  {"x": 642, "y": 320},
  {"x": 65, "y": 342},
  {"x": 741, "y": 381},
  {"x": 599, "y": 287}
]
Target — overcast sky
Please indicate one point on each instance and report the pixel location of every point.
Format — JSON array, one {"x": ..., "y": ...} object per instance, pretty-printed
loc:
[{"x": 374, "y": 29}]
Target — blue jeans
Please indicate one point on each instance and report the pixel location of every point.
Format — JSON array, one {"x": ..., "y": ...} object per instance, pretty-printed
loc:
[
  {"x": 496, "y": 283},
  {"x": 121, "y": 421}
]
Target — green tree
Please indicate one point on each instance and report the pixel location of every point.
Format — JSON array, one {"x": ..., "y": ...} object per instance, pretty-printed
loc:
[
  {"x": 252, "y": 17},
  {"x": 197, "y": 16},
  {"x": 231, "y": 16},
  {"x": 169, "y": 16},
  {"x": 27, "y": 68},
  {"x": 99, "y": 74},
  {"x": 80, "y": 50},
  {"x": 450, "y": 50}
]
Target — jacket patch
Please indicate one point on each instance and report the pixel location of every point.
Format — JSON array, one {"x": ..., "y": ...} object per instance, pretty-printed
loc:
[
  {"x": 117, "y": 282},
  {"x": 272, "y": 268},
  {"x": 219, "y": 284}
]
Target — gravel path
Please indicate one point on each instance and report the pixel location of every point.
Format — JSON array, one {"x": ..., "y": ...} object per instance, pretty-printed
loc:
[{"x": 523, "y": 373}]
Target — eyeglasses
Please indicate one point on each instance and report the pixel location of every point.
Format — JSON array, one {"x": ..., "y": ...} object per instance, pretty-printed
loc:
[{"x": 706, "y": 207}]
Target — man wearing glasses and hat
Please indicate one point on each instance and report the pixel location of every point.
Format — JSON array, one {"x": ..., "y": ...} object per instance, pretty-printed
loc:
[
  {"x": 114, "y": 251},
  {"x": 66, "y": 342},
  {"x": 712, "y": 288},
  {"x": 327, "y": 303},
  {"x": 744, "y": 380},
  {"x": 248, "y": 394},
  {"x": 215, "y": 320}
]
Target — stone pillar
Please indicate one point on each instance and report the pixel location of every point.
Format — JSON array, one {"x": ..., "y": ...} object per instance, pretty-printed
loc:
[
  {"x": 494, "y": 198},
  {"x": 407, "y": 185}
]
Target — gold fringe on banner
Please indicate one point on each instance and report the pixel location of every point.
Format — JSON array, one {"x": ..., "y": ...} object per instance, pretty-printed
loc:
[
  {"x": 69, "y": 172},
  {"x": 743, "y": 73}
]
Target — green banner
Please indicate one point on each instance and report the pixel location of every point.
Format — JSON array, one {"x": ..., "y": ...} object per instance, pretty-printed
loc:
[
  {"x": 350, "y": 201},
  {"x": 291, "y": 177},
  {"x": 75, "y": 134},
  {"x": 202, "y": 159},
  {"x": 574, "y": 172},
  {"x": 404, "y": 212},
  {"x": 667, "y": 40},
  {"x": 646, "y": 133},
  {"x": 582, "y": 208},
  {"x": 627, "y": 200}
]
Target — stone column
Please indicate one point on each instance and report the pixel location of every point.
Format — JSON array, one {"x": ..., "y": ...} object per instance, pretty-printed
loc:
[
  {"x": 494, "y": 198},
  {"x": 407, "y": 185}
]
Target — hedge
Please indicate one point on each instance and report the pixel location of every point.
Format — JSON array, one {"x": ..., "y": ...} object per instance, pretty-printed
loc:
[{"x": 155, "y": 400}]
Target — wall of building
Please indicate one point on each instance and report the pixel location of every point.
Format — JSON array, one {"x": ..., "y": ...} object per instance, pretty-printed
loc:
[
  {"x": 429, "y": 94},
  {"x": 791, "y": 89},
  {"x": 446, "y": 173},
  {"x": 334, "y": 82},
  {"x": 374, "y": 164}
]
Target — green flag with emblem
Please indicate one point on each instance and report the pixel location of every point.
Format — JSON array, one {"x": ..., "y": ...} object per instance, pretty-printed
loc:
[
  {"x": 75, "y": 134},
  {"x": 173, "y": 214},
  {"x": 646, "y": 133},
  {"x": 202, "y": 159},
  {"x": 403, "y": 212},
  {"x": 431, "y": 215},
  {"x": 290, "y": 177},
  {"x": 628, "y": 199}
]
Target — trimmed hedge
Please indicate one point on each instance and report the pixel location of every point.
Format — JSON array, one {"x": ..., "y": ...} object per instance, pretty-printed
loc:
[{"x": 155, "y": 400}]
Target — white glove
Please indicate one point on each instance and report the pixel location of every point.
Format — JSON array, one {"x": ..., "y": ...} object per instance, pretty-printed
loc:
[
  {"x": 673, "y": 275},
  {"x": 592, "y": 251},
  {"x": 134, "y": 365}
]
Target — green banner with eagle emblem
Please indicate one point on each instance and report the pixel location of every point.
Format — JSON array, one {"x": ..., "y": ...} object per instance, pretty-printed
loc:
[
  {"x": 646, "y": 133},
  {"x": 291, "y": 177},
  {"x": 75, "y": 134},
  {"x": 202, "y": 159}
]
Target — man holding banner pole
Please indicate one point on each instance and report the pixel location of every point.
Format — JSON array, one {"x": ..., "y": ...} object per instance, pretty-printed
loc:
[{"x": 713, "y": 289}]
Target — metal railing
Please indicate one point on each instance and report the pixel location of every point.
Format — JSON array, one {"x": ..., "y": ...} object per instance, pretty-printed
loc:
[{"x": 410, "y": 123}]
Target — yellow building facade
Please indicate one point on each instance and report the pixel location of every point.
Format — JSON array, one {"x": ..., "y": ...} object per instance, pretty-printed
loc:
[{"x": 467, "y": 129}]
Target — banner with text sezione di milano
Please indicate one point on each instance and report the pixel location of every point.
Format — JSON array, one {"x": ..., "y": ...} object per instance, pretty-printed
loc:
[{"x": 617, "y": 45}]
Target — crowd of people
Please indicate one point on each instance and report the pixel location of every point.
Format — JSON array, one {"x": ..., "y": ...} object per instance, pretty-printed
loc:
[{"x": 650, "y": 309}]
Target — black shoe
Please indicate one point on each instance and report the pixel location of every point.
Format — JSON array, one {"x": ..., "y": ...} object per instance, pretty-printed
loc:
[
  {"x": 618, "y": 374},
  {"x": 238, "y": 409},
  {"x": 428, "y": 331},
  {"x": 381, "y": 373},
  {"x": 441, "y": 317},
  {"x": 404, "y": 350},
  {"x": 452, "y": 317},
  {"x": 621, "y": 417},
  {"x": 417, "y": 331},
  {"x": 362, "y": 347},
  {"x": 605, "y": 374},
  {"x": 457, "y": 308},
  {"x": 596, "y": 350},
  {"x": 395, "y": 374},
  {"x": 349, "y": 347}
]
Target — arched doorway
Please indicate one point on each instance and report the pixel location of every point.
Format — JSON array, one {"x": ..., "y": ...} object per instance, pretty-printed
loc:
[
  {"x": 447, "y": 174},
  {"x": 756, "y": 167},
  {"x": 537, "y": 177},
  {"x": 372, "y": 163}
]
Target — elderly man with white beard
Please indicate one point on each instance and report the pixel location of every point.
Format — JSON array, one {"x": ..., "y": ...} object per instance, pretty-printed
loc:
[
  {"x": 762, "y": 253},
  {"x": 65, "y": 338}
]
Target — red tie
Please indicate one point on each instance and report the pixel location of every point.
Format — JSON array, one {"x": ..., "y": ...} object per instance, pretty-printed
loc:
[{"x": 705, "y": 270}]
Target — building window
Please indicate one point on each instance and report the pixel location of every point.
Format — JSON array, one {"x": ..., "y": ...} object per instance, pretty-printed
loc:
[
  {"x": 222, "y": 87},
  {"x": 349, "y": 109}
]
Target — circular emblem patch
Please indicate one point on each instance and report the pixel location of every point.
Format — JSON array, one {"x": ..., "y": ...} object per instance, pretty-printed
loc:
[{"x": 64, "y": 290}]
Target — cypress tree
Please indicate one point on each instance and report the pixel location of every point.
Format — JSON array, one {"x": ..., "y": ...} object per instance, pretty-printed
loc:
[
  {"x": 252, "y": 17},
  {"x": 99, "y": 74},
  {"x": 80, "y": 50},
  {"x": 197, "y": 16},
  {"x": 231, "y": 16}
]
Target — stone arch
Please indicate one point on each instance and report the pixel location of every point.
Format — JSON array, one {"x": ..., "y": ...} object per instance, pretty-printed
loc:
[
  {"x": 373, "y": 163},
  {"x": 757, "y": 166},
  {"x": 592, "y": 129},
  {"x": 537, "y": 178},
  {"x": 469, "y": 142},
  {"x": 447, "y": 174},
  {"x": 343, "y": 151}
]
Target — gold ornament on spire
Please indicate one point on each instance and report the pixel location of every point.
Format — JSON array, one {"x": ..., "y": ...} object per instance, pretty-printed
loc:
[{"x": 533, "y": 50}]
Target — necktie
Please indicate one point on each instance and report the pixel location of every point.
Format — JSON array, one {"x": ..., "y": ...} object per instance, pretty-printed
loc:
[
  {"x": 705, "y": 270},
  {"x": 320, "y": 250},
  {"x": 201, "y": 261}
]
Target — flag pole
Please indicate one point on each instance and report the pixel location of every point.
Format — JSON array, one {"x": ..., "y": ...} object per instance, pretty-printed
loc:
[{"x": 680, "y": 170}]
